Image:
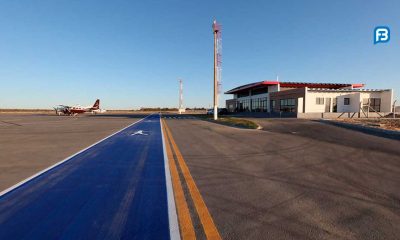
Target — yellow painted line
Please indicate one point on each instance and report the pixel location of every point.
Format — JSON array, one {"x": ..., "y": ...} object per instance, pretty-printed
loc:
[
  {"x": 185, "y": 222},
  {"x": 205, "y": 217}
]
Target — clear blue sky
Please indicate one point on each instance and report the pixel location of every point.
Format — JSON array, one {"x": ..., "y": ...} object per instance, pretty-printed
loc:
[{"x": 130, "y": 53}]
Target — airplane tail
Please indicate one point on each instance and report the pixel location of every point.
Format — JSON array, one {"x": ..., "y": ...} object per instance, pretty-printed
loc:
[{"x": 96, "y": 105}]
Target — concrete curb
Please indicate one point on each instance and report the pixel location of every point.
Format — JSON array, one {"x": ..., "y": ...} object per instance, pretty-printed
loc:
[{"x": 392, "y": 134}]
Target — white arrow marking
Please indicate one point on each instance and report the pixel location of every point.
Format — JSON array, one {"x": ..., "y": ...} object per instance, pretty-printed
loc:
[{"x": 140, "y": 132}]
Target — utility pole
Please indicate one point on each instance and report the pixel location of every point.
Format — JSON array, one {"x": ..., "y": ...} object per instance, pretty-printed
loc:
[
  {"x": 217, "y": 37},
  {"x": 181, "y": 109}
]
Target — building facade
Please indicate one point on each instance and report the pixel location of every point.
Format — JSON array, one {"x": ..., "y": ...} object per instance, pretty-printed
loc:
[{"x": 294, "y": 97}]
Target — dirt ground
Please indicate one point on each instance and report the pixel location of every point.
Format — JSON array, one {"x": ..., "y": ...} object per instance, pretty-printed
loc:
[{"x": 384, "y": 123}]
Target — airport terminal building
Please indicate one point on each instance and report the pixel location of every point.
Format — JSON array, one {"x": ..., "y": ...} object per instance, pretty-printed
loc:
[{"x": 310, "y": 99}]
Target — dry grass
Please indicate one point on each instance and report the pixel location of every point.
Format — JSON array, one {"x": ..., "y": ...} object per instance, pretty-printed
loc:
[
  {"x": 384, "y": 123},
  {"x": 231, "y": 121}
]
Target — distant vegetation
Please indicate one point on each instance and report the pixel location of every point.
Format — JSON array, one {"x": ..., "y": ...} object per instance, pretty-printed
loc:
[
  {"x": 157, "y": 109},
  {"x": 195, "y": 108},
  {"x": 26, "y": 110},
  {"x": 169, "y": 109},
  {"x": 143, "y": 109}
]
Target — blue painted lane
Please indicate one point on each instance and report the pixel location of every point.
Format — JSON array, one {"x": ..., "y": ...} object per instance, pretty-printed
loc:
[{"x": 113, "y": 190}]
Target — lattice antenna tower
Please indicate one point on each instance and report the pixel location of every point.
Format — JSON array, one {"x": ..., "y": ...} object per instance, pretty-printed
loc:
[
  {"x": 180, "y": 109},
  {"x": 219, "y": 59},
  {"x": 217, "y": 64}
]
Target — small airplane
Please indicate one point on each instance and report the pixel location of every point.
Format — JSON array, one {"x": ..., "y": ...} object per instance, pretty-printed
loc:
[{"x": 74, "y": 110}]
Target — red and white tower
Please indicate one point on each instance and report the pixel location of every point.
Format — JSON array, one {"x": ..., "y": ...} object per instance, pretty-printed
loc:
[{"x": 217, "y": 64}]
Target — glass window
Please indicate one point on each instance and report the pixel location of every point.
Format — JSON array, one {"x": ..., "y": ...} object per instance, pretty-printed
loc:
[
  {"x": 373, "y": 103},
  {"x": 320, "y": 101},
  {"x": 272, "y": 105},
  {"x": 288, "y": 105},
  {"x": 346, "y": 101},
  {"x": 255, "y": 104},
  {"x": 264, "y": 104}
]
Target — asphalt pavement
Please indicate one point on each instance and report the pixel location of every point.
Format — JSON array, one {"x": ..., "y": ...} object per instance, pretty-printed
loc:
[
  {"x": 295, "y": 179},
  {"x": 30, "y": 143}
]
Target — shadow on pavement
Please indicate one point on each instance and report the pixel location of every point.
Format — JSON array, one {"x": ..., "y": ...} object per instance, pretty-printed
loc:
[{"x": 364, "y": 129}]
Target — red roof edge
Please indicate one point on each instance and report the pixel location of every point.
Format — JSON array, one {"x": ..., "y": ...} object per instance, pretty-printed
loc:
[
  {"x": 295, "y": 85},
  {"x": 357, "y": 85},
  {"x": 251, "y": 85},
  {"x": 270, "y": 83}
]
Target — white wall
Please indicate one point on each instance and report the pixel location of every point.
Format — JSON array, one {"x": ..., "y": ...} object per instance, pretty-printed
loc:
[
  {"x": 387, "y": 101},
  {"x": 300, "y": 105},
  {"x": 355, "y": 100},
  {"x": 354, "y": 105},
  {"x": 311, "y": 100}
]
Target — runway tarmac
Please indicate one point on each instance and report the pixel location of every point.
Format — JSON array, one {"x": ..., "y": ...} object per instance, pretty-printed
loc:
[
  {"x": 32, "y": 142},
  {"x": 115, "y": 189}
]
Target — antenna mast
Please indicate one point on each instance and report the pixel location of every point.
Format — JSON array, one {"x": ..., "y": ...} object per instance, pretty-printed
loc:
[
  {"x": 181, "y": 109},
  {"x": 217, "y": 64}
]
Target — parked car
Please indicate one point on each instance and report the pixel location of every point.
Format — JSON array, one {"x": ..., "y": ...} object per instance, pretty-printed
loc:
[{"x": 221, "y": 111}]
